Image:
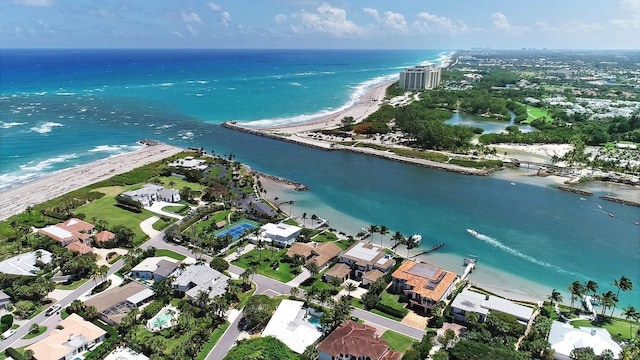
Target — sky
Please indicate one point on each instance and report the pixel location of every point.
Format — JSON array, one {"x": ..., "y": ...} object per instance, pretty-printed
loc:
[{"x": 379, "y": 24}]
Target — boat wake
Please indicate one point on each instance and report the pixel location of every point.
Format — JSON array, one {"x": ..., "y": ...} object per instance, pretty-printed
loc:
[{"x": 496, "y": 243}]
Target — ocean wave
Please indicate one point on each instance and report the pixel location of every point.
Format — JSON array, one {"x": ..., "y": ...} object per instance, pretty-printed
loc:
[
  {"x": 186, "y": 135},
  {"x": 119, "y": 149},
  {"x": 165, "y": 84},
  {"x": 358, "y": 91},
  {"x": 295, "y": 83},
  {"x": 45, "y": 128},
  {"x": 65, "y": 93},
  {"x": 496, "y": 243},
  {"x": 6, "y": 125},
  {"x": 32, "y": 166}
]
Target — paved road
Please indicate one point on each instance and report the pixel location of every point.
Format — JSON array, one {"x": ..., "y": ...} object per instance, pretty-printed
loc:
[
  {"x": 227, "y": 340},
  {"x": 389, "y": 324}
]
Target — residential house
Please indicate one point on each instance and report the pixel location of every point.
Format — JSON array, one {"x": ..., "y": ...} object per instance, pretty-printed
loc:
[
  {"x": 282, "y": 235},
  {"x": 289, "y": 324},
  {"x": 4, "y": 300},
  {"x": 369, "y": 262},
  {"x": 80, "y": 248},
  {"x": 200, "y": 277},
  {"x": 155, "y": 268},
  {"x": 352, "y": 340},
  {"x": 71, "y": 337},
  {"x": 69, "y": 231},
  {"x": 339, "y": 271},
  {"x": 151, "y": 193},
  {"x": 423, "y": 284},
  {"x": 190, "y": 162},
  {"x": 469, "y": 301},
  {"x": 114, "y": 304},
  {"x": 564, "y": 338},
  {"x": 320, "y": 253},
  {"x": 25, "y": 264},
  {"x": 104, "y": 237}
]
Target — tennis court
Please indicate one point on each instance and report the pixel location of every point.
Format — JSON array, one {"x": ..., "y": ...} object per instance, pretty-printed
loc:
[{"x": 236, "y": 229}]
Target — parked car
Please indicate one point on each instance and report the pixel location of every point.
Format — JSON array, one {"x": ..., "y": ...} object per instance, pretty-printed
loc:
[
  {"x": 5, "y": 335},
  {"x": 54, "y": 309}
]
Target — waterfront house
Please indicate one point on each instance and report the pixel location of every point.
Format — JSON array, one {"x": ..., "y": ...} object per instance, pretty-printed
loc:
[
  {"x": 564, "y": 338},
  {"x": 355, "y": 341},
  {"x": 282, "y": 235},
  {"x": 151, "y": 193},
  {"x": 423, "y": 284},
  {"x": 369, "y": 262},
  {"x": 155, "y": 268},
  {"x": 69, "y": 231},
  {"x": 114, "y": 304},
  {"x": 339, "y": 271},
  {"x": 200, "y": 277},
  {"x": 320, "y": 253},
  {"x": 191, "y": 163},
  {"x": 290, "y": 324},
  {"x": 72, "y": 336},
  {"x": 25, "y": 264},
  {"x": 469, "y": 301}
]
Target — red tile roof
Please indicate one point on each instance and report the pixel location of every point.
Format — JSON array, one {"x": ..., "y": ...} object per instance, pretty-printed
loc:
[
  {"x": 433, "y": 287},
  {"x": 104, "y": 236},
  {"x": 357, "y": 340},
  {"x": 79, "y": 247}
]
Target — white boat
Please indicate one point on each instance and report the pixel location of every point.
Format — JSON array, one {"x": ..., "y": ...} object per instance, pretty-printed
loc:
[
  {"x": 512, "y": 183},
  {"x": 472, "y": 232},
  {"x": 416, "y": 239}
]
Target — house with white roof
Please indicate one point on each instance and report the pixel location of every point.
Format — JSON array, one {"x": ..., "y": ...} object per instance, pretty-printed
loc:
[
  {"x": 73, "y": 336},
  {"x": 200, "y": 277},
  {"x": 25, "y": 264},
  {"x": 151, "y": 193},
  {"x": 290, "y": 325},
  {"x": 469, "y": 301},
  {"x": 155, "y": 268},
  {"x": 369, "y": 261},
  {"x": 190, "y": 162},
  {"x": 282, "y": 235},
  {"x": 564, "y": 338}
]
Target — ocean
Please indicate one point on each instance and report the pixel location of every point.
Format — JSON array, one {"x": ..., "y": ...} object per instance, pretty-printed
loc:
[{"x": 65, "y": 108}]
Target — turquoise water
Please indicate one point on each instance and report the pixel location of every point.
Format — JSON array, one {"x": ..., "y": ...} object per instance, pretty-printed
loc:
[
  {"x": 488, "y": 125},
  {"x": 60, "y": 109},
  {"x": 314, "y": 321}
]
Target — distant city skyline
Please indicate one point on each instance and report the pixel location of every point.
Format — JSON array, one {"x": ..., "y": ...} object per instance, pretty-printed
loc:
[{"x": 566, "y": 24}]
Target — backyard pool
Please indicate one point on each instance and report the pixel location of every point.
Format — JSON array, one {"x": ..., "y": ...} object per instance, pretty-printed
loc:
[
  {"x": 164, "y": 318},
  {"x": 314, "y": 321}
]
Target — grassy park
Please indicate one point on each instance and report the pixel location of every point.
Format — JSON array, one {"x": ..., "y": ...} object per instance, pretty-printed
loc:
[
  {"x": 262, "y": 263},
  {"x": 537, "y": 113}
]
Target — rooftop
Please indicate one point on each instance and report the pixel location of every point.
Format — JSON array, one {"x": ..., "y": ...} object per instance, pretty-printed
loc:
[
  {"x": 75, "y": 332},
  {"x": 280, "y": 230},
  {"x": 202, "y": 277},
  {"x": 321, "y": 253},
  {"x": 429, "y": 281},
  {"x": 367, "y": 254},
  {"x": 482, "y": 304},
  {"x": 564, "y": 338},
  {"x": 289, "y": 325},
  {"x": 24, "y": 264},
  {"x": 357, "y": 340}
]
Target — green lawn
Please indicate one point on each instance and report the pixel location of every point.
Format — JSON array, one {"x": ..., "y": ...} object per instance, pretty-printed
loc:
[
  {"x": 178, "y": 183},
  {"x": 161, "y": 224},
  {"x": 325, "y": 237},
  {"x": 41, "y": 330},
  {"x": 615, "y": 327},
  {"x": 171, "y": 254},
  {"x": 71, "y": 286},
  {"x": 105, "y": 209},
  {"x": 535, "y": 113},
  {"x": 204, "y": 225},
  {"x": 392, "y": 301},
  {"x": 397, "y": 342},
  {"x": 252, "y": 258},
  {"x": 175, "y": 209}
]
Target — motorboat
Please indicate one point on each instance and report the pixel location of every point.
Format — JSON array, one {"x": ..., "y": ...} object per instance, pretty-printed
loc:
[
  {"x": 472, "y": 232},
  {"x": 416, "y": 239}
]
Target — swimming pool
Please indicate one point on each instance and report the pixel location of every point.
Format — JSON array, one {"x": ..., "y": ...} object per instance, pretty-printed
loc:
[
  {"x": 236, "y": 230},
  {"x": 163, "y": 319},
  {"x": 314, "y": 321}
]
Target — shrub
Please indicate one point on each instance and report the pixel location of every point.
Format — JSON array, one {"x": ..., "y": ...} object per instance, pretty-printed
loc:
[
  {"x": 13, "y": 353},
  {"x": 7, "y": 319},
  {"x": 152, "y": 309},
  {"x": 399, "y": 313}
]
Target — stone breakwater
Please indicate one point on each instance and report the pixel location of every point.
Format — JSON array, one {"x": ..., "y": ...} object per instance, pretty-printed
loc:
[
  {"x": 574, "y": 190},
  {"x": 377, "y": 153},
  {"x": 298, "y": 186},
  {"x": 620, "y": 201}
]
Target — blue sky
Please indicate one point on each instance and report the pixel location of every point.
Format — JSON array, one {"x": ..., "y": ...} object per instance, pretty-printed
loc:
[{"x": 583, "y": 24}]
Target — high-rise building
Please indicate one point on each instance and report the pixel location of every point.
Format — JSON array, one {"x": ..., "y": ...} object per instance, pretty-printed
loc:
[{"x": 420, "y": 78}]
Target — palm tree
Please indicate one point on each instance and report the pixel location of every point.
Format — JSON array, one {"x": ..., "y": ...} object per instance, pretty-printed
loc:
[
  {"x": 591, "y": 286},
  {"x": 260, "y": 246},
  {"x": 555, "y": 296},
  {"x": 304, "y": 219},
  {"x": 202, "y": 299},
  {"x": 103, "y": 271},
  {"x": 383, "y": 230},
  {"x": 630, "y": 313},
  {"x": 311, "y": 352},
  {"x": 397, "y": 238},
  {"x": 623, "y": 284},
  {"x": 314, "y": 218},
  {"x": 373, "y": 228},
  {"x": 294, "y": 292},
  {"x": 608, "y": 300},
  {"x": 350, "y": 286},
  {"x": 577, "y": 290},
  {"x": 410, "y": 241},
  {"x": 313, "y": 268},
  {"x": 172, "y": 184}
]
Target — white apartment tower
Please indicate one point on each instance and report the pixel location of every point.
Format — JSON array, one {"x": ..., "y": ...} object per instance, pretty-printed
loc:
[{"x": 420, "y": 78}]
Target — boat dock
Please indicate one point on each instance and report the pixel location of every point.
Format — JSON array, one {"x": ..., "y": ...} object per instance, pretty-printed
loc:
[{"x": 430, "y": 250}]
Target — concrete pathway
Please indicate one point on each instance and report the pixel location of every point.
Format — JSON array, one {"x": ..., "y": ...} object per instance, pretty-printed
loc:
[
  {"x": 147, "y": 226},
  {"x": 304, "y": 275},
  {"x": 235, "y": 255},
  {"x": 157, "y": 206}
]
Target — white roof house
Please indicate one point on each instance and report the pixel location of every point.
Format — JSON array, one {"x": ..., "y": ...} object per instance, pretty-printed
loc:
[
  {"x": 124, "y": 353},
  {"x": 469, "y": 301},
  {"x": 282, "y": 235},
  {"x": 289, "y": 324},
  {"x": 24, "y": 264},
  {"x": 564, "y": 338},
  {"x": 200, "y": 277},
  {"x": 155, "y": 268}
]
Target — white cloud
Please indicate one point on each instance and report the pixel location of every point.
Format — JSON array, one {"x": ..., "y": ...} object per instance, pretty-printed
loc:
[
  {"x": 394, "y": 22},
  {"x": 36, "y": 3},
  {"x": 372, "y": 12},
  {"x": 191, "y": 17},
  {"x": 629, "y": 15},
  {"x": 280, "y": 18},
  {"x": 430, "y": 23},
  {"x": 501, "y": 22},
  {"x": 177, "y": 34},
  {"x": 225, "y": 18},
  {"x": 192, "y": 31},
  {"x": 328, "y": 20},
  {"x": 214, "y": 7}
]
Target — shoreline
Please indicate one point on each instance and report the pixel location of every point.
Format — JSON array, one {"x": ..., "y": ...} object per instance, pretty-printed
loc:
[{"x": 51, "y": 186}]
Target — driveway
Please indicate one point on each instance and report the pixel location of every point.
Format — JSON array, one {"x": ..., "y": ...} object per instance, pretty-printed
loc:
[
  {"x": 304, "y": 275},
  {"x": 157, "y": 206},
  {"x": 147, "y": 226}
]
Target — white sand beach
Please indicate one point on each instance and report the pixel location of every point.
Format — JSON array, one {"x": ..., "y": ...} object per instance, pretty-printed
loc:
[{"x": 20, "y": 198}]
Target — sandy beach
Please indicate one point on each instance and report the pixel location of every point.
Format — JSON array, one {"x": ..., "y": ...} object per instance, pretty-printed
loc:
[{"x": 20, "y": 198}]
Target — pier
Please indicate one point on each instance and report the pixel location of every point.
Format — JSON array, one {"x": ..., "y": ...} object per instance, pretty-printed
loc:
[{"x": 430, "y": 250}]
